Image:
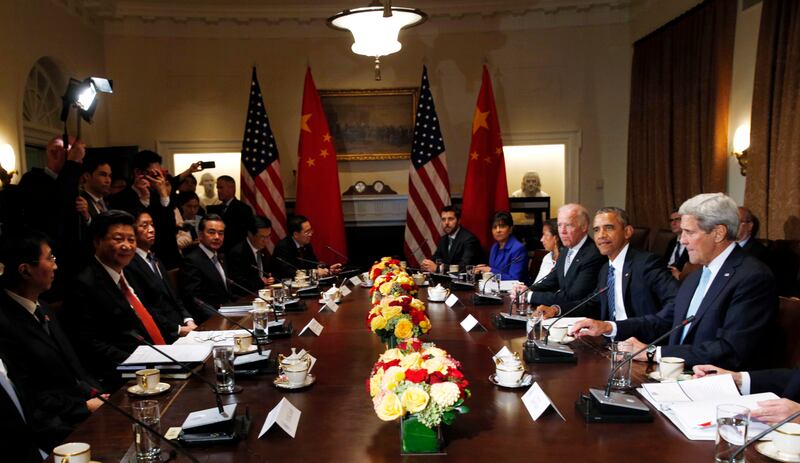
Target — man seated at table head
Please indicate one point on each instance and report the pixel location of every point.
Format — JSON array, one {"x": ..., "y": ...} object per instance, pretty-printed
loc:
[
  {"x": 204, "y": 269},
  {"x": 733, "y": 298},
  {"x": 747, "y": 234},
  {"x": 575, "y": 275},
  {"x": 457, "y": 246},
  {"x": 295, "y": 251},
  {"x": 48, "y": 370},
  {"x": 103, "y": 311},
  {"x": 149, "y": 276},
  {"x": 248, "y": 261},
  {"x": 636, "y": 282}
]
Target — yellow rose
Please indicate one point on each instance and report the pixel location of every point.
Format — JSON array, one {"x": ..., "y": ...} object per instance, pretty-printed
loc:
[
  {"x": 425, "y": 325},
  {"x": 391, "y": 354},
  {"x": 414, "y": 399},
  {"x": 377, "y": 323},
  {"x": 386, "y": 288},
  {"x": 411, "y": 361},
  {"x": 393, "y": 376},
  {"x": 375, "y": 383},
  {"x": 435, "y": 364},
  {"x": 417, "y": 304},
  {"x": 404, "y": 329},
  {"x": 391, "y": 311},
  {"x": 389, "y": 408},
  {"x": 434, "y": 352}
]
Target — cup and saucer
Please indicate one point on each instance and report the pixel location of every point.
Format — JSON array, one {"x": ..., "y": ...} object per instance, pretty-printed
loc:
[
  {"x": 656, "y": 376},
  {"x": 559, "y": 334},
  {"x": 670, "y": 369},
  {"x": 438, "y": 294},
  {"x": 148, "y": 382},
  {"x": 785, "y": 444},
  {"x": 294, "y": 372},
  {"x": 283, "y": 382},
  {"x": 510, "y": 372},
  {"x": 525, "y": 381}
]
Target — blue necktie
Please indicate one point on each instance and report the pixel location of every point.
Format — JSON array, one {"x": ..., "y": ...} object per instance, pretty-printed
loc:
[
  {"x": 612, "y": 294},
  {"x": 697, "y": 299}
]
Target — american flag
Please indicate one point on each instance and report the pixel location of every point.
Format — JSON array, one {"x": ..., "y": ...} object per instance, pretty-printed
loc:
[
  {"x": 428, "y": 185},
  {"x": 262, "y": 187}
]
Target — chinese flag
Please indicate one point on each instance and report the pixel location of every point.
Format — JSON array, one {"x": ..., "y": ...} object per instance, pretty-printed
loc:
[
  {"x": 318, "y": 196},
  {"x": 485, "y": 190}
]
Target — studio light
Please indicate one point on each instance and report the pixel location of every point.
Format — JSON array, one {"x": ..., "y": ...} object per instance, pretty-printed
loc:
[
  {"x": 375, "y": 28},
  {"x": 83, "y": 96}
]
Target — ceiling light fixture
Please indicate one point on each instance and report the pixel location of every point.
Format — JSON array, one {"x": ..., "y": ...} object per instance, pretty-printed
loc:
[{"x": 375, "y": 28}]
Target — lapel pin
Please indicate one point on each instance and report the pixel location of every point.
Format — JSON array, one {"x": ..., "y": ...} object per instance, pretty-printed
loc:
[{"x": 727, "y": 274}]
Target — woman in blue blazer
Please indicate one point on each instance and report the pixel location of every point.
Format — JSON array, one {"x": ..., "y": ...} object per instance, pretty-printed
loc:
[{"x": 508, "y": 257}]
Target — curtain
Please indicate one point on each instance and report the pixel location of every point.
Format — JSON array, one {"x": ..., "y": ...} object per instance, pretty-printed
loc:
[
  {"x": 678, "y": 128},
  {"x": 772, "y": 189}
]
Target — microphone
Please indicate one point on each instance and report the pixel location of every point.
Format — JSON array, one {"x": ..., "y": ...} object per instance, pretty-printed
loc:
[
  {"x": 315, "y": 262},
  {"x": 337, "y": 253},
  {"x": 528, "y": 288},
  {"x": 580, "y": 304},
  {"x": 497, "y": 276},
  {"x": 255, "y": 295},
  {"x": 741, "y": 449},
  {"x": 261, "y": 272},
  {"x": 286, "y": 263},
  {"x": 184, "y": 366},
  {"x": 92, "y": 392},
  {"x": 208, "y": 307}
]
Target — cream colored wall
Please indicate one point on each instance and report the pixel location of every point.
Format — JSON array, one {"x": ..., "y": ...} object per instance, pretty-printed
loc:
[{"x": 32, "y": 29}]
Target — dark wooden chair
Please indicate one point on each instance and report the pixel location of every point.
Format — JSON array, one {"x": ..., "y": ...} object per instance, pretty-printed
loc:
[
  {"x": 788, "y": 321},
  {"x": 659, "y": 240},
  {"x": 639, "y": 238},
  {"x": 535, "y": 259},
  {"x": 785, "y": 260}
]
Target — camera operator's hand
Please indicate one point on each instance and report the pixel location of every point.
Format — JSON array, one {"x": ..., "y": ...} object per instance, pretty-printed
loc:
[
  {"x": 77, "y": 151},
  {"x": 82, "y": 208},
  {"x": 158, "y": 182},
  {"x": 142, "y": 187}
]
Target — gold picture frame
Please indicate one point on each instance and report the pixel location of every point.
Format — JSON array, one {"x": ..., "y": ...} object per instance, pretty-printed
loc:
[{"x": 371, "y": 125}]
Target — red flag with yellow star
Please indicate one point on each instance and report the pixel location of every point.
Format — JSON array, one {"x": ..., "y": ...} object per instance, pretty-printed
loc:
[
  {"x": 485, "y": 189},
  {"x": 318, "y": 195}
]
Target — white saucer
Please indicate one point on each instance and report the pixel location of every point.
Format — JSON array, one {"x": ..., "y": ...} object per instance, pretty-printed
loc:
[
  {"x": 430, "y": 299},
  {"x": 656, "y": 376},
  {"x": 768, "y": 448},
  {"x": 252, "y": 348},
  {"x": 283, "y": 382},
  {"x": 137, "y": 390},
  {"x": 527, "y": 380},
  {"x": 365, "y": 285},
  {"x": 337, "y": 301},
  {"x": 566, "y": 340}
]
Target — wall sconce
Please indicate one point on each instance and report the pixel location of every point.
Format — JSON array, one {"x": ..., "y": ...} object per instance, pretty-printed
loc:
[
  {"x": 8, "y": 162},
  {"x": 741, "y": 143}
]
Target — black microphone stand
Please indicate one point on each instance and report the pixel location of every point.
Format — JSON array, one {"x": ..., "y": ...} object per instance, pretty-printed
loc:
[
  {"x": 260, "y": 340},
  {"x": 283, "y": 331}
]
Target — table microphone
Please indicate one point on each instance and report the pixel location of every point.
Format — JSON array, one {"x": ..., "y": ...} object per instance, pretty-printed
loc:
[
  {"x": 275, "y": 312},
  {"x": 92, "y": 392},
  {"x": 496, "y": 277},
  {"x": 208, "y": 307},
  {"x": 249, "y": 293},
  {"x": 580, "y": 304},
  {"x": 286, "y": 262},
  {"x": 318, "y": 263},
  {"x": 337, "y": 253},
  {"x": 183, "y": 366},
  {"x": 775, "y": 426}
]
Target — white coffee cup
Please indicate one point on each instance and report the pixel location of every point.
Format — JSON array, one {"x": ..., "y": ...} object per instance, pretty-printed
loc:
[
  {"x": 259, "y": 304},
  {"x": 670, "y": 367},
  {"x": 419, "y": 279},
  {"x": 242, "y": 342},
  {"x": 453, "y": 269},
  {"x": 148, "y": 379},
  {"x": 786, "y": 439},
  {"x": 265, "y": 294},
  {"x": 73, "y": 452},
  {"x": 296, "y": 371},
  {"x": 509, "y": 371},
  {"x": 437, "y": 293},
  {"x": 487, "y": 275},
  {"x": 557, "y": 332}
]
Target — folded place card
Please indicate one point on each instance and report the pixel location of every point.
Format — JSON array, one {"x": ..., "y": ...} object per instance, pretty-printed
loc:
[
  {"x": 331, "y": 306},
  {"x": 313, "y": 326},
  {"x": 470, "y": 323},
  {"x": 355, "y": 280},
  {"x": 345, "y": 290},
  {"x": 503, "y": 353},
  {"x": 537, "y": 402},
  {"x": 286, "y": 415},
  {"x": 451, "y": 301},
  {"x": 250, "y": 358},
  {"x": 208, "y": 416}
]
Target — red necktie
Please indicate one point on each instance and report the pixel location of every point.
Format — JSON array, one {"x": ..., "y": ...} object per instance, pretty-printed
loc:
[{"x": 142, "y": 313}]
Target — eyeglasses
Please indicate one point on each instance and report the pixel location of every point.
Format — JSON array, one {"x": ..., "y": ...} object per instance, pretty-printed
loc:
[{"x": 51, "y": 258}]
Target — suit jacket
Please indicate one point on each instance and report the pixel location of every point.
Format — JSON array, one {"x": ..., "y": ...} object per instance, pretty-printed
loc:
[
  {"x": 48, "y": 369},
  {"x": 682, "y": 259},
  {"x": 465, "y": 250},
  {"x": 757, "y": 250},
  {"x": 242, "y": 267},
  {"x": 782, "y": 381},
  {"x": 200, "y": 279},
  {"x": 286, "y": 250},
  {"x": 98, "y": 317},
  {"x": 20, "y": 443},
  {"x": 580, "y": 280},
  {"x": 732, "y": 325},
  {"x": 237, "y": 217},
  {"x": 158, "y": 296}
]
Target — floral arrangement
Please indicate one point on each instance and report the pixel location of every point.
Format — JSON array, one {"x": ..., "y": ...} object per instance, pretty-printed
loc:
[
  {"x": 390, "y": 284},
  {"x": 418, "y": 379},
  {"x": 397, "y": 318},
  {"x": 386, "y": 265}
]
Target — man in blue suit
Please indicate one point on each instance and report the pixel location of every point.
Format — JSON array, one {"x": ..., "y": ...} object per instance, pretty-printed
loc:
[{"x": 733, "y": 298}]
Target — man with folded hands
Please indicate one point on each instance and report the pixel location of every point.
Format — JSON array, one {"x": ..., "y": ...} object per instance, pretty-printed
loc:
[{"x": 733, "y": 298}]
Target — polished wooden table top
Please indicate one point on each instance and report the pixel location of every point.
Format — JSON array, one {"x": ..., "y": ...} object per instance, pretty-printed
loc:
[{"x": 339, "y": 424}]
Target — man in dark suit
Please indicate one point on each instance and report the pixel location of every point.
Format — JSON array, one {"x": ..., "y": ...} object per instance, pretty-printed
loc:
[
  {"x": 675, "y": 256},
  {"x": 733, "y": 298},
  {"x": 96, "y": 181},
  {"x": 575, "y": 274},
  {"x": 456, "y": 247},
  {"x": 295, "y": 251},
  {"x": 203, "y": 274},
  {"x": 236, "y": 214},
  {"x": 636, "y": 281},
  {"x": 248, "y": 262},
  {"x": 746, "y": 236},
  {"x": 48, "y": 369},
  {"x": 149, "y": 276},
  {"x": 102, "y": 309},
  {"x": 20, "y": 443}
]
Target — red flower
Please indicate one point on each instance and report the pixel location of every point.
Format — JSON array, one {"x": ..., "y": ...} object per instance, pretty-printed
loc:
[
  {"x": 416, "y": 375},
  {"x": 417, "y": 316},
  {"x": 436, "y": 377},
  {"x": 455, "y": 374},
  {"x": 416, "y": 345},
  {"x": 368, "y": 388},
  {"x": 391, "y": 363}
]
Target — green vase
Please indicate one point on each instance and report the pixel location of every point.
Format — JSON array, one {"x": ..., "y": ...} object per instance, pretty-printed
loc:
[
  {"x": 391, "y": 342},
  {"x": 415, "y": 437}
]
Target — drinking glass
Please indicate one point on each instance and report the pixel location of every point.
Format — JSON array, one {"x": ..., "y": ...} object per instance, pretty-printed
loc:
[
  {"x": 533, "y": 327},
  {"x": 439, "y": 266},
  {"x": 471, "y": 274},
  {"x": 147, "y": 444},
  {"x": 223, "y": 368},
  {"x": 732, "y": 424},
  {"x": 621, "y": 352}
]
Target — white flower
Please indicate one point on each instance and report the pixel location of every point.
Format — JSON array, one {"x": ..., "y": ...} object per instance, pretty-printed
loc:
[{"x": 445, "y": 394}]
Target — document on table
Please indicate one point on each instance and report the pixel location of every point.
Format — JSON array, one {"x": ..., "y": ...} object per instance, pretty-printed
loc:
[
  {"x": 145, "y": 355},
  {"x": 216, "y": 338}
]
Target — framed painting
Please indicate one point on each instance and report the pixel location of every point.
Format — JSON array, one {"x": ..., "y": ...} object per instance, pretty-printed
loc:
[{"x": 371, "y": 125}]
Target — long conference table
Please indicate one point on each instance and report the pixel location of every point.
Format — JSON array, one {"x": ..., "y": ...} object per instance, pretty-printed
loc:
[{"x": 339, "y": 424}]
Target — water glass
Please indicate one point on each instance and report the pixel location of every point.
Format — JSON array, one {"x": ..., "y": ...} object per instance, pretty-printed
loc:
[
  {"x": 440, "y": 266},
  {"x": 147, "y": 444},
  {"x": 471, "y": 274},
  {"x": 260, "y": 321},
  {"x": 223, "y": 368},
  {"x": 732, "y": 424},
  {"x": 621, "y": 352},
  {"x": 533, "y": 327}
]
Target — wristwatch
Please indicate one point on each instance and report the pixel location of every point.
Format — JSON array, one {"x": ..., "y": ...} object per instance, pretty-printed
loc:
[{"x": 651, "y": 354}]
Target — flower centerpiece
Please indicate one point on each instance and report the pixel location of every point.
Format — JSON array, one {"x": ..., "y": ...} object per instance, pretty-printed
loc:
[
  {"x": 421, "y": 384},
  {"x": 390, "y": 284},
  {"x": 385, "y": 266},
  {"x": 397, "y": 318}
]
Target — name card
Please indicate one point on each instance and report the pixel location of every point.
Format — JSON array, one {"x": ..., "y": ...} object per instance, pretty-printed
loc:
[
  {"x": 286, "y": 415},
  {"x": 331, "y": 306},
  {"x": 537, "y": 402},
  {"x": 355, "y": 280},
  {"x": 208, "y": 416},
  {"x": 250, "y": 358},
  {"x": 503, "y": 353},
  {"x": 313, "y": 326},
  {"x": 345, "y": 290},
  {"x": 471, "y": 323},
  {"x": 451, "y": 301}
]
